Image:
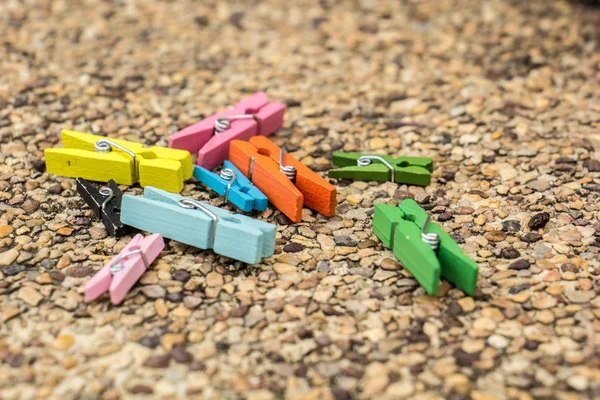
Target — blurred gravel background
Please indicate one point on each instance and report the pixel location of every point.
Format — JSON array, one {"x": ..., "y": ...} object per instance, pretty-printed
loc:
[{"x": 504, "y": 95}]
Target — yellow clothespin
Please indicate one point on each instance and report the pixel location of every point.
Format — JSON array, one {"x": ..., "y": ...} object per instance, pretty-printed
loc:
[{"x": 98, "y": 158}]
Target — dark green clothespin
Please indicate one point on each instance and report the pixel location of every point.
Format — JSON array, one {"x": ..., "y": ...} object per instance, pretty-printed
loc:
[
  {"x": 371, "y": 167},
  {"x": 423, "y": 247}
]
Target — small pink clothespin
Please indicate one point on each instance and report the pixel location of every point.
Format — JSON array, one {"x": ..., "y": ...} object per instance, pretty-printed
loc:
[
  {"x": 124, "y": 270},
  {"x": 211, "y": 136}
]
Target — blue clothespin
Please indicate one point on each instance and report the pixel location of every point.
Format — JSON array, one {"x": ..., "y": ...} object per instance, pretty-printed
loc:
[
  {"x": 199, "y": 224},
  {"x": 234, "y": 186}
]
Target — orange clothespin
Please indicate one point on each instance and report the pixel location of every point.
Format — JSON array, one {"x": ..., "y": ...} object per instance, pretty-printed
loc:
[{"x": 287, "y": 182}]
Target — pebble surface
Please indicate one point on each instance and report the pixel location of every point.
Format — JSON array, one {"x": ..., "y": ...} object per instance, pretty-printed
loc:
[{"x": 503, "y": 95}]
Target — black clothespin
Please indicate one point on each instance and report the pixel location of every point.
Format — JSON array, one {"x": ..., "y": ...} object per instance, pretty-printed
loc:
[{"x": 106, "y": 204}]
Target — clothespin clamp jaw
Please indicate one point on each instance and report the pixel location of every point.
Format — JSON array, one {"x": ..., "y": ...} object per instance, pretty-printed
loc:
[
  {"x": 106, "y": 204},
  {"x": 210, "y": 137},
  {"x": 286, "y": 182},
  {"x": 124, "y": 270},
  {"x": 365, "y": 167},
  {"x": 423, "y": 247},
  {"x": 200, "y": 225},
  {"x": 232, "y": 184},
  {"x": 97, "y": 158}
]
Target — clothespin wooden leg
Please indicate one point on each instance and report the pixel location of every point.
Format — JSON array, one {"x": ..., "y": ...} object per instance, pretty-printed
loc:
[{"x": 417, "y": 256}]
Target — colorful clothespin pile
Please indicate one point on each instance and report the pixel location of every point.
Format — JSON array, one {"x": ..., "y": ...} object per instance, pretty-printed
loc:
[
  {"x": 234, "y": 186},
  {"x": 257, "y": 171},
  {"x": 123, "y": 271},
  {"x": 424, "y": 248},
  {"x": 199, "y": 224},
  {"x": 210, "y": 137},
  {"x": 286, "y": 182},
  {"x": 97, "y": 158},
  {"x": 106, "y": 204},
  {"x": 372, "y": 167}
]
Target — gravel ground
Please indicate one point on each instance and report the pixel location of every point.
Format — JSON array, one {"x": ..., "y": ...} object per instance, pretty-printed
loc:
[{"x": 504, "y": 95}]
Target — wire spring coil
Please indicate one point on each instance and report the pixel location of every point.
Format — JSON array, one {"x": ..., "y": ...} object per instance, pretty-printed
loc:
[
  {"x": 118, "y": 266},
  {"x": 106, "y": 191},
  {"x": 221, "y": 125},
  {"x": 288, "y": 170},
  {"x": 363, "y": 161},
  {"x": 106, "y": 146},
  {"x": 224, "y": 123},
  {"x": 229, "y": 175},
  {"x": 432, "y": 239}
]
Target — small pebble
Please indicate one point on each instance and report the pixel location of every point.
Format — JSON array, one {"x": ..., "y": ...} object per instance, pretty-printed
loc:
[
  {"x": 293, "y": 247},
  {"x": 30, "y": 296},
  {"x": 13, "y": 269},
  {"x": 5, "y": 230},
  {"x": 520, "y": 265},
  {"x": 98, "y": 233},
  {"x": 422, "y": 198},
  {"x": 511, "y": 226},
  {"x": 510, "y": 253},
  {"x": 531, "y": 237},
  {"x": 539, "y": 221},
  {"x": 445, "y": 216},
  {"x": 496, "y": 236},
  {"x": 158, "y": 361},
  {"x": 390, "y": 265},
  {"x": 140, "y": 389},
  {"x": 181, "y": 275},
  {"x": 30, "y": 205},
  {"x": 180, "y": 355},
  {"x": 153, "y": 291},
  {"x": 214, "y": 279},
  {"x": 63, "y": 342},
  {"x": 8, "y": 257}
]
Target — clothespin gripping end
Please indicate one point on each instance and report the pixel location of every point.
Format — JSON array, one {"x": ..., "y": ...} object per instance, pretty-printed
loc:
[{"x": 457, "y": 267}]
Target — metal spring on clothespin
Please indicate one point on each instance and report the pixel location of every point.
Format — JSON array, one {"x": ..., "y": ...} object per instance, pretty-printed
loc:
[
  {"x": 224, "y": 123},
  {"x": 432, "y": 239},
  {"x": 363, "y": 161},
  {"x": 189, "y": 203},
  {"x": 288, "y": 170},
  {"x": 108, "y": 192},
  {"x": 106, "y": 146},
  {"x": 229, "y": 175},
  {"x": 117, "y": 266}
]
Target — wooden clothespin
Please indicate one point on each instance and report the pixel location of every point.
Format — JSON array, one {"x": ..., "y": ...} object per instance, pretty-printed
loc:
[
  {"x": 106, "y": 204},
  {"x": 199, "y": 224},
  {"x": 372, "y": 167},
  {"x": 124, "y": 270},
  {"x": 424, "y": 248},
  {"x": 232, "y": 184},
  {"x": 97, "y": 158},
  {"x": 286, "y": 182},
  {"x": 211, "y": 136}
]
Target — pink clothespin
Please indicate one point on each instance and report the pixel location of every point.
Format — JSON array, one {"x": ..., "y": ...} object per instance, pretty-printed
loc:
[
  {"x": 124, "y": 270},
  {"x": 211, "y": 136}
]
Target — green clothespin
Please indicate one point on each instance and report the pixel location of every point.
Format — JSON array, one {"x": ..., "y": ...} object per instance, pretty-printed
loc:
[
  {"x": 426, "y": 253},
  {"x": 366, "y": 167}
]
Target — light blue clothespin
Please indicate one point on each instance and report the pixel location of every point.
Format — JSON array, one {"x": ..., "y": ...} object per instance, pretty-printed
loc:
[
  {"x": 234, "y": 186},
  {"x": 199, "y": 224}
]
